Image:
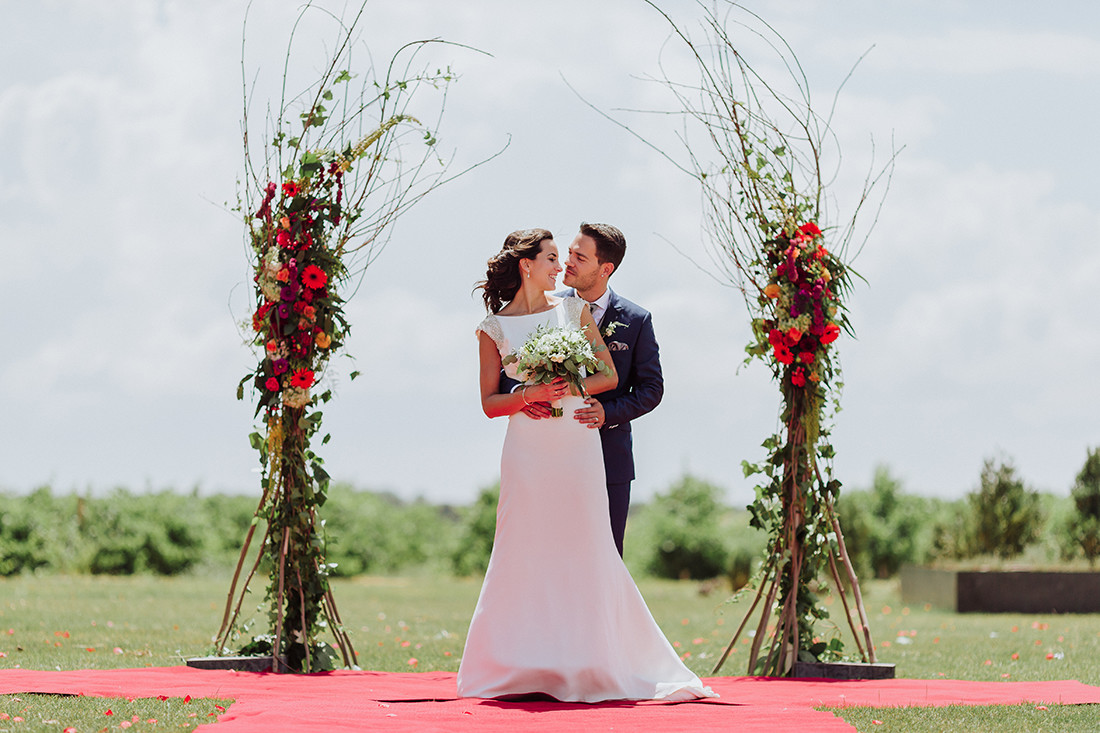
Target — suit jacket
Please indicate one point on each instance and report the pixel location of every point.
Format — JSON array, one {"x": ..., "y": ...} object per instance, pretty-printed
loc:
[{"x": 634, "y": 351}]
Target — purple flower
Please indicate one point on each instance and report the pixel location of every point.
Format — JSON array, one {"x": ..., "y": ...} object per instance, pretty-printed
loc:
[
  {"x": 284, "y": 311},
  {"x": 279, "y": 366},
  {"x": 289, "y": 293}
]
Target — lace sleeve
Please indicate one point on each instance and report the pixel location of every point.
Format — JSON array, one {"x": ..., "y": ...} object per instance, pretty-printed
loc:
[
  {"x": 573, "y": 307},
  {"x": 491, "y": 326}
]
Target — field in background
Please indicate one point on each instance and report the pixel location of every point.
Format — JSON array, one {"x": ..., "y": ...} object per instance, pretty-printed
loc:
[{"x": 418, "y": 623}]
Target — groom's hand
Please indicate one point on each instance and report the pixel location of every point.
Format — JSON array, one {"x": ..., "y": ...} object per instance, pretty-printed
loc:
[{"x": 592, "y": 416}]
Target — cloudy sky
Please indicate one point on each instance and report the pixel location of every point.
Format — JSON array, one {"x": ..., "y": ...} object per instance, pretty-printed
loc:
[{"x": 124, "y": 273}]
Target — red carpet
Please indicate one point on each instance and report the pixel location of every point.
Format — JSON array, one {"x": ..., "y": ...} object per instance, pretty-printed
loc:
[{"x": 346, "y": 701}]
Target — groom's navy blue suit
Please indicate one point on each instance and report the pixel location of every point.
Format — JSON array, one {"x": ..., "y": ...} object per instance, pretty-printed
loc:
[{"x": 633, "y": 349}]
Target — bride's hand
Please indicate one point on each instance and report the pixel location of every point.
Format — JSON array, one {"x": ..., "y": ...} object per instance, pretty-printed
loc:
[{"x": 546, "y": 392}]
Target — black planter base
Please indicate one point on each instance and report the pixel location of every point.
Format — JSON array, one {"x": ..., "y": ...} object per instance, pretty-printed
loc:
[
  {"x": 241, "y": 664},
  {"x": 844, "y": 670},
  {"x": 1002, "y": 591}
]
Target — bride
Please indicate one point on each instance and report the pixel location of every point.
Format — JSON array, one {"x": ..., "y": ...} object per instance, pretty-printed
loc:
[{"x": 558, "y": 612}]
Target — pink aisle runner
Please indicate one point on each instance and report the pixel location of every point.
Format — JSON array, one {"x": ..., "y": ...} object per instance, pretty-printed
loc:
[{"x": 425, "y": 701}]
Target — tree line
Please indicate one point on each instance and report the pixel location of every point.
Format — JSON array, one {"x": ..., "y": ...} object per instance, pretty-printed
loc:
[{"x": 686, "y": 531}]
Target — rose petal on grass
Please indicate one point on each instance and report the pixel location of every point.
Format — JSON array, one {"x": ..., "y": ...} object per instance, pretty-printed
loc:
[
  {"x": 186, "y": 699},
  {"x": 1050, "y": 655},
  {"x": 988, "y": 662},
  {"x": 117, "y": 650},
  {"x": 413, "y": 661},
  {"x": 1041, "y": 707},
  {"x": 109, "y": 712},
  {"x": 162, "y": 698},
  {"x": 125, "y": 724}
]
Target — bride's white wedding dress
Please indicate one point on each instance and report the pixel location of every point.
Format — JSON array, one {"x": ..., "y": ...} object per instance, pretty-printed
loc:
[{"x": 559, "y": 613}]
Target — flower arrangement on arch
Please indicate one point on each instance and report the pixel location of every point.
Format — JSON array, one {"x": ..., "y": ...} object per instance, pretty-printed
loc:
[
  {"x": 799, "y": 308},
  {"x": 299, "y": 320}
]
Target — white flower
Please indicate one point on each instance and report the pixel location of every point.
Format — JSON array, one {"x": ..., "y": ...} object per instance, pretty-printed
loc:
[{"x": 295, "y": 397}]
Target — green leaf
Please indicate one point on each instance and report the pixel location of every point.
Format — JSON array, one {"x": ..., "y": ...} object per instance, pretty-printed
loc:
[{"x": 240, "y": 387}]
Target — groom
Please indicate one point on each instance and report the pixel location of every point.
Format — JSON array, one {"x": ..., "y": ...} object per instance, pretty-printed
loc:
[{"x": 627, "y": 330}]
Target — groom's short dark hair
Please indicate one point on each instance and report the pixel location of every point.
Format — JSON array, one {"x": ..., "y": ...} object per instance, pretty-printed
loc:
[{"x": 610, "y": 242}]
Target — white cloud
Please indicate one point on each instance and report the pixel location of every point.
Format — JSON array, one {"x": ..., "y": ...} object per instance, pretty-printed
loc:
[{"x": 122, "y": 282}]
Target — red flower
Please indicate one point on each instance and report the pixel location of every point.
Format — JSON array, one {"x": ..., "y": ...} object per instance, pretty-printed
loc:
[
  {"x": 798, "y": 378},
  {"x": 314, "y": 277},
  {"x": 806, "y": 357},
  {"x": 793, "y": 335},
  {"x": 259, "y": 318},
  {"x": 810, "y": 229},
  {"x": 832, "y": 332},
  {"x": 775, "y": 337},
  {"x": 272, "y": 384},
  {"x": 265, "y": 208},
  {"x": 783, "y": 355},
  {"x": 290, "y": 188},
  {"x": 303, "y": 379},
  {"x": 283, "y": 239}
]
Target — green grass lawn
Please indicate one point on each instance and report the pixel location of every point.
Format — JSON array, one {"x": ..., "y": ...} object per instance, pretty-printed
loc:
[{"x": 419, "y": 623}]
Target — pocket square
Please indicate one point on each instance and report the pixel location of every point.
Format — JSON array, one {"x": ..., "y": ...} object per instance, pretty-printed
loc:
[{"x": 617, "y": 346}]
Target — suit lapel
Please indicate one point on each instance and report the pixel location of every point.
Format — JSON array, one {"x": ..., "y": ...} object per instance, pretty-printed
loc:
[{"x": 610, "y": 312}]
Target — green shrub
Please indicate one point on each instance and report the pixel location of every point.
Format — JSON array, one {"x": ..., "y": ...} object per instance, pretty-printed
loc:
[
  {"x": 1006, "y": 514},
  {"x": 687, "y": 533},
  {"x": 127, "y": 533},
  {"x": 369, "y": 532},
  {"x": 475, "y": 541},
  {"x": 1083, "y": 527},
  {"x": 884, "y": 528},
  {"x": 952, "y": 529}
]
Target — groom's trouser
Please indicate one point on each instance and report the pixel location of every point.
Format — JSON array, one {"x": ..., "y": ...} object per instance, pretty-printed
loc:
[{"x": 618, "y": 500}]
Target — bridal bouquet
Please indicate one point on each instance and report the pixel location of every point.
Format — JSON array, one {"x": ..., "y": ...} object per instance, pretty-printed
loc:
[{"x": 554, "y": 351}]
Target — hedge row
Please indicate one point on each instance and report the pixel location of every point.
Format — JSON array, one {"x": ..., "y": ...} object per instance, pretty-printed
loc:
[{"x": 685, "y": 532}]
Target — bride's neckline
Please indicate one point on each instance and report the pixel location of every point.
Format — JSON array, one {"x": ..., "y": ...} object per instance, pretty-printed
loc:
[{"x": 534, "y": 313}]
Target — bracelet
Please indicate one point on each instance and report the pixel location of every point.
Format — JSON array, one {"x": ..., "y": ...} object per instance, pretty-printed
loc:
[{"x": 523, "y": 394}]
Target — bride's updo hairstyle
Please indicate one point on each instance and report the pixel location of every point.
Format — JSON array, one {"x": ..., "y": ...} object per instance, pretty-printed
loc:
[{"x": 503, "y": 277}]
